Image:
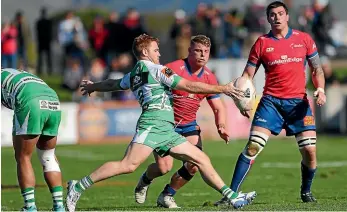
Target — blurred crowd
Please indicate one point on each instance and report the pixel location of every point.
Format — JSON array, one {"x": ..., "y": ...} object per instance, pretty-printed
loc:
[{"x": 104, "y": 50}]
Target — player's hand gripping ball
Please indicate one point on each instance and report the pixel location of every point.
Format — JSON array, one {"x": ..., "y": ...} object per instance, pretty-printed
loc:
[{"x": 247, "y": 86}]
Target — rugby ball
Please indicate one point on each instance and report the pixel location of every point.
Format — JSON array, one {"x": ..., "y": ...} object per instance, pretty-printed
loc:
[{"x": 246, "y": 85}]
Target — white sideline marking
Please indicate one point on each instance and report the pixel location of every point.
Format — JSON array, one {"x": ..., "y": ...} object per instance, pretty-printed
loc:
[{"x": 287, "y": 165}]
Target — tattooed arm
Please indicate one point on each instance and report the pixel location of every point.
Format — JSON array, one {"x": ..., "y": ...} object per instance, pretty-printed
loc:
[
  {"x": 317, "y": 72},
  {"x": 318, "y": 79}
]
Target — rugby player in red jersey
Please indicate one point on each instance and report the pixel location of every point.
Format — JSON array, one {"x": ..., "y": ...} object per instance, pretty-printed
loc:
[
  {"x": 186, "y": 106},
  {"x": 283, "y": 52}
]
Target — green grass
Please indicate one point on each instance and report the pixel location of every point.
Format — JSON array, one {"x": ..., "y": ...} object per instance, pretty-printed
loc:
[{"x": 277, "y": 188}]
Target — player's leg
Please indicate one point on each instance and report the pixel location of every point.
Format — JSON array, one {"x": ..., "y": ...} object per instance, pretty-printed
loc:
[
  {"x": 188, "y": 152},
  {"x": 45, "y": 149},
  {"x": 183, "y": 175},
  {"x": 27, "y": 128},
  {"x": 266, "y": 120},
  {"x": 24, "y": 146},
  {"x": 51, "y": 170},
  {"x": 301, "y": 124},
  {"x": 307, "y": 145},
  {"x": 154, "y": 170},
  {"x": 135, "y": 155}
]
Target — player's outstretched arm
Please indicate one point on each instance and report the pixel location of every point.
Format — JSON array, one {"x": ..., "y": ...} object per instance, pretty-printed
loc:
[
  {"x": 199, "y": 87},
  {"x": 318, "y": 79},
  {"x": 88, "y": 87}
]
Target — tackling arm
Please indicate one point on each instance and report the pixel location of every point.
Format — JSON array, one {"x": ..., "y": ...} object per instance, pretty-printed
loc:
[
  {"x": 106, "y": 85},
  {"x": 199, "y": 87}
]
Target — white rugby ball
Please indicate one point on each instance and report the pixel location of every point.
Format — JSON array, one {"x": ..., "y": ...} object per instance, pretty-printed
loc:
[{"x": 246, "y": 85}]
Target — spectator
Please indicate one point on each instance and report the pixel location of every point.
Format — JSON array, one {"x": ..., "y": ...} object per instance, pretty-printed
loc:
[
  {"x": 180, "y": 19},
  {"x": 294, "y": 16},
  {"x": 323, "y": 21},
  {"x": 214, "y": 29},
  {"x": 114, "y": 44},
  {"x": 198, "y": 21},
  {"x": 183, "y": 41},
  {"x": 97, "y": 37},
  {"x": 23, "y": 38},
  {"x": 255, "y": 22},
  {"x": 73, "y": 75},
  {"x": 8, "y": 45},
  {"x": 72, "y": 37},
  {"x": 44, "y": 39},
  {"x": 305, "y": 20},
  {"x": 234, "y": 34},
  {"x": 134, "y": 26},
  {"x": 329, "y": 74},
  {"x": 125, "y": 62},
  {"x": 97, "y": 71}
]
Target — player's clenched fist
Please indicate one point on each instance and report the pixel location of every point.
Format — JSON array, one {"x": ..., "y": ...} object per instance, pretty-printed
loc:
[
  {"x": 86, "y": 87},
  {"x": 233, "y": 92},
  {"x": 320, "y": 95}
]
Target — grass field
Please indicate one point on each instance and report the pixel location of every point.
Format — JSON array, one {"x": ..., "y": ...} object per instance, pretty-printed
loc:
[{"x": 275, "y": 176}]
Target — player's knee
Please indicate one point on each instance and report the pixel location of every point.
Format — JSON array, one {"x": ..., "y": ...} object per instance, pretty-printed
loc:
[
  {"x": 192, "y": 169},
  {"x": 307, "y": 143},
  {"x": 20, "y": 158},
  {"x": 185, "y": 173},
  {"x": 48, "y": 160},
  {"x": 165, "y": 167},
  {"x": 255, "y": 145}
]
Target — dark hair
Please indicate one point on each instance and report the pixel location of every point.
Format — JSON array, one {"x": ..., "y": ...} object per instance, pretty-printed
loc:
[{"x": 276, "y": 4}]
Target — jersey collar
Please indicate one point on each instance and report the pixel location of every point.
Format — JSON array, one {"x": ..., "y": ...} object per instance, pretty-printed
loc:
[
  {"x": 186, "y": 64},
  {"x": 289, "y": 34}
]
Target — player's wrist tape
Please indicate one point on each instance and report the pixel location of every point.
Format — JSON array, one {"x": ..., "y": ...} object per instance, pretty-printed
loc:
[{"x": 320, "y": 90}]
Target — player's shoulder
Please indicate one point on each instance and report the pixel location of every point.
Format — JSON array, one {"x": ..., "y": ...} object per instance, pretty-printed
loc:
[
  {"x": 176, "y": 64},
  {"x": 300, "y": 34},
  {"x": 263, "y": 38},
  {"x": 151, "y": 66},
  {"x": 208, "y": 72}
]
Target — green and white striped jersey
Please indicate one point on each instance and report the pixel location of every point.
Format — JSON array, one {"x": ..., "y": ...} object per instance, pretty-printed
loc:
[
  {"x": 151, "y": 84},
  {"x": 17, "y": 87}
]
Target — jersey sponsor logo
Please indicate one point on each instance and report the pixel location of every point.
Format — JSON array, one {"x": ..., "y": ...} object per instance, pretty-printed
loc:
[
  {"x": 296, "y": 45},
  {"x": 182, "y": 67},
  {"x": 49, "y": 105},
  {"x": 168, "y": 72},
  {"x": 285, "y": 59},
  {"x": 270, "y": 49},
  {"x": 308, "y": 120},
  {"x": 137, "y": 80},
  {"x": 314, "y": 46}
]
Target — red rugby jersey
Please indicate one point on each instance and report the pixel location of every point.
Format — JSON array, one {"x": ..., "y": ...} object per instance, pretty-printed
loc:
[
  {"x": 284, "y": 61},
  {"x": 186, "y": 105}
]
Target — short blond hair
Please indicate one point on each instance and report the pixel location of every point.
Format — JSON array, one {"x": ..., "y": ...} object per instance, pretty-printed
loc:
[
  {"x": 141, "y": 42},
  {"x": 202, "y": 39}
]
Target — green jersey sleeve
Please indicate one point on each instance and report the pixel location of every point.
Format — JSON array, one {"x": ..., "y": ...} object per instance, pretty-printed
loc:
[
  {"x": 168, "y": 77},
  {"x": 125, "y": 83}
]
